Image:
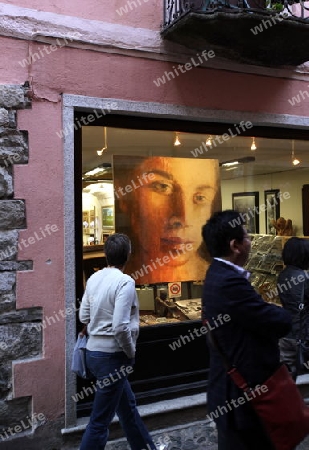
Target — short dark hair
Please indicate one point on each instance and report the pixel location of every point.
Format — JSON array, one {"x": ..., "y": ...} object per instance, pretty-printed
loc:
[
  {"x": 117, "y": 249},
  {"x": 221, "y": 229},
  {"x": 296, "y": 253}
]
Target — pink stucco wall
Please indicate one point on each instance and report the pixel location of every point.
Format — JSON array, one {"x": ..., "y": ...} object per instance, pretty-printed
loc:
[
  {"x": 40, "y": 182},
  {"x": 136, "y": 13},
  {"x": 96, "y": 74}
]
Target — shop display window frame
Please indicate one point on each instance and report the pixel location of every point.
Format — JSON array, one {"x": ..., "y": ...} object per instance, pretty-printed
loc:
[
  {"x": 305, "y": 205},
  {"x": 162, "y": 117},
  {"x": 252, "y": 203}
]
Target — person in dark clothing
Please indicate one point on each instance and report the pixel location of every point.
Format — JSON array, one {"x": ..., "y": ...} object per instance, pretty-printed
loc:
[
  {"x": 249, "y": 339},
  {"x": 293, "y": 288}
]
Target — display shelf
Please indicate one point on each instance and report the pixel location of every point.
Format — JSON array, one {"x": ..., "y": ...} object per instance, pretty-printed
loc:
[{"x": 265, "y": 263}]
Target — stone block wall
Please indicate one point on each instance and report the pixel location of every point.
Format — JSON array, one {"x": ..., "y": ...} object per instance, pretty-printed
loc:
[{"x": 19, "y": 336}]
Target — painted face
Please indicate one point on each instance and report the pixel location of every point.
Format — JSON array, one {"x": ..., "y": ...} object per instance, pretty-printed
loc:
[{"x": 174, "y": 198}]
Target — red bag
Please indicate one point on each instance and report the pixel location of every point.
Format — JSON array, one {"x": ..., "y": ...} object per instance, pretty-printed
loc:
[{"x": 280, "y": 406}]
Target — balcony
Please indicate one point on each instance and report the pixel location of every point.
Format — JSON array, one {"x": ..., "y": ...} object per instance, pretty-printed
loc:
[{"x": 273, "y": 34}]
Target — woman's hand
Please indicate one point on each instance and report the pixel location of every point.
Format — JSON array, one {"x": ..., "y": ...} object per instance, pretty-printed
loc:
[{"x": 83, "y": 331}]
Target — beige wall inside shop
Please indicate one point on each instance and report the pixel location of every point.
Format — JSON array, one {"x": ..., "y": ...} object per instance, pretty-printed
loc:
[
  {"x": 290, "y": 182},
  {"x": 91, "y": 201}
]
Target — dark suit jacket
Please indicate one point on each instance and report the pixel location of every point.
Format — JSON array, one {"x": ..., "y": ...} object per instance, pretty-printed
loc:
[
  {"x": 292, "y": 292},
  {"x": 249, "y": 339}
]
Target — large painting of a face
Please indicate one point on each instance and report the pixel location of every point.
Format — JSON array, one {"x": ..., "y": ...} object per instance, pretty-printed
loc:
[{"x": 162, "y": 203}]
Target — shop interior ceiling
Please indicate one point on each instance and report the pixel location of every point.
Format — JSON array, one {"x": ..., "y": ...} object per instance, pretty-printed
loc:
[{"x": 271, "y": 155}]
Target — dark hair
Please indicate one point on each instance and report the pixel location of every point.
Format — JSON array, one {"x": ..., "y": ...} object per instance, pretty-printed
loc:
[
  {"x": 221, "y": 229},
  {"x": 296, "y": 253},
  {"x": 117, "y": 249}
]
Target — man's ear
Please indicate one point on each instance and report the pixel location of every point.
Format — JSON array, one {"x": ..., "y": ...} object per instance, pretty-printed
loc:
[{"x": 234, "y": 246}]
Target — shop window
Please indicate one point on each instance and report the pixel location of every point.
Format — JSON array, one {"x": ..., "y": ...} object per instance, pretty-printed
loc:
[{"x": 160, "y": 187}]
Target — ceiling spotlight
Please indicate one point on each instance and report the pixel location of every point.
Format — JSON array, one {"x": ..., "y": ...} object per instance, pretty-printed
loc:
[
  {"x": 177, "y": 141},
  {"x": 295, "y": 161},
  {"x": 209, "y": 141},
  {"x": 253, "y": 146},
  {"x": 101, "y": 151}
]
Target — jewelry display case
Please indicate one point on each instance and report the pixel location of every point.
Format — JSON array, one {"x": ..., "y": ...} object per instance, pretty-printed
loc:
[{"x": 265, "y": 263}]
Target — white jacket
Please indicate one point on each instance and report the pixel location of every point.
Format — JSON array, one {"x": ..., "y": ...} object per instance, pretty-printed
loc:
[{"x": 110, "y": 307}]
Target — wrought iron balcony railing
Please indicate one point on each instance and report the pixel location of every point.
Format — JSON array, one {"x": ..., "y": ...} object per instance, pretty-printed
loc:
[
  {"x": 175, "y": 9},
  {"x": 263, "y": 32}
]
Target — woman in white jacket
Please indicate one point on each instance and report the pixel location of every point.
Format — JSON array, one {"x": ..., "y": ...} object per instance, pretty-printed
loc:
[{"x": 110, "y": 309}]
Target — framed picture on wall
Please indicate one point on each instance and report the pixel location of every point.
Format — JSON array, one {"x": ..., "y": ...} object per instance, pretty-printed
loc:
[
  {"x": 272, "y": 211},
  {"x": 108, "y": 218},
  {"x": 247, "y": 203}
]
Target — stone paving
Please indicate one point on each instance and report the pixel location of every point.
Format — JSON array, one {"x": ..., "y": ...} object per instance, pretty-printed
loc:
[
  {"x": 193, "y": 436},
  {"x": 189, "y": 438}
]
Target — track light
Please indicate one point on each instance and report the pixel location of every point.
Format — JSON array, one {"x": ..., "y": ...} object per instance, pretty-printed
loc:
[
  {"x": 295, "y": 161},
  {"x": 209, "y": 141},
  {"x": 177, "y": 141},
  {"x": 100, "y": 152},
  {"x": 253, "y": 145}
]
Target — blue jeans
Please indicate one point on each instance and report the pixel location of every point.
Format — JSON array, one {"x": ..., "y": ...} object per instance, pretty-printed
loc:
[{"x": 113, "y": 395}]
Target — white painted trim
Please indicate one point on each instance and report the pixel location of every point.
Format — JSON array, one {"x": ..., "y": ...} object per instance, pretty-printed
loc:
[{"x": 41, "y": 26}]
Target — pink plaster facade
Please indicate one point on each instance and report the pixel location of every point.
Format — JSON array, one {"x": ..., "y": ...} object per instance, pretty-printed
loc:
[
  {"x": 81, "y": 72},
  {"x": 104, "y": 75},
  {"x": 36, "y": 184},
  {"x": 136, "y": 13}
]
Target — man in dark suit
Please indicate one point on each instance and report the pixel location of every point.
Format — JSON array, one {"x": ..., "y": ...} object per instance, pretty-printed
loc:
[{"x": 248, "y": 335}]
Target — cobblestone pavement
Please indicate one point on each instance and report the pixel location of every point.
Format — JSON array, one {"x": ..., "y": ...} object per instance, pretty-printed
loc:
[
  {"x": 194, "y": 436},
  {"x": 191, "y": 437}
]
